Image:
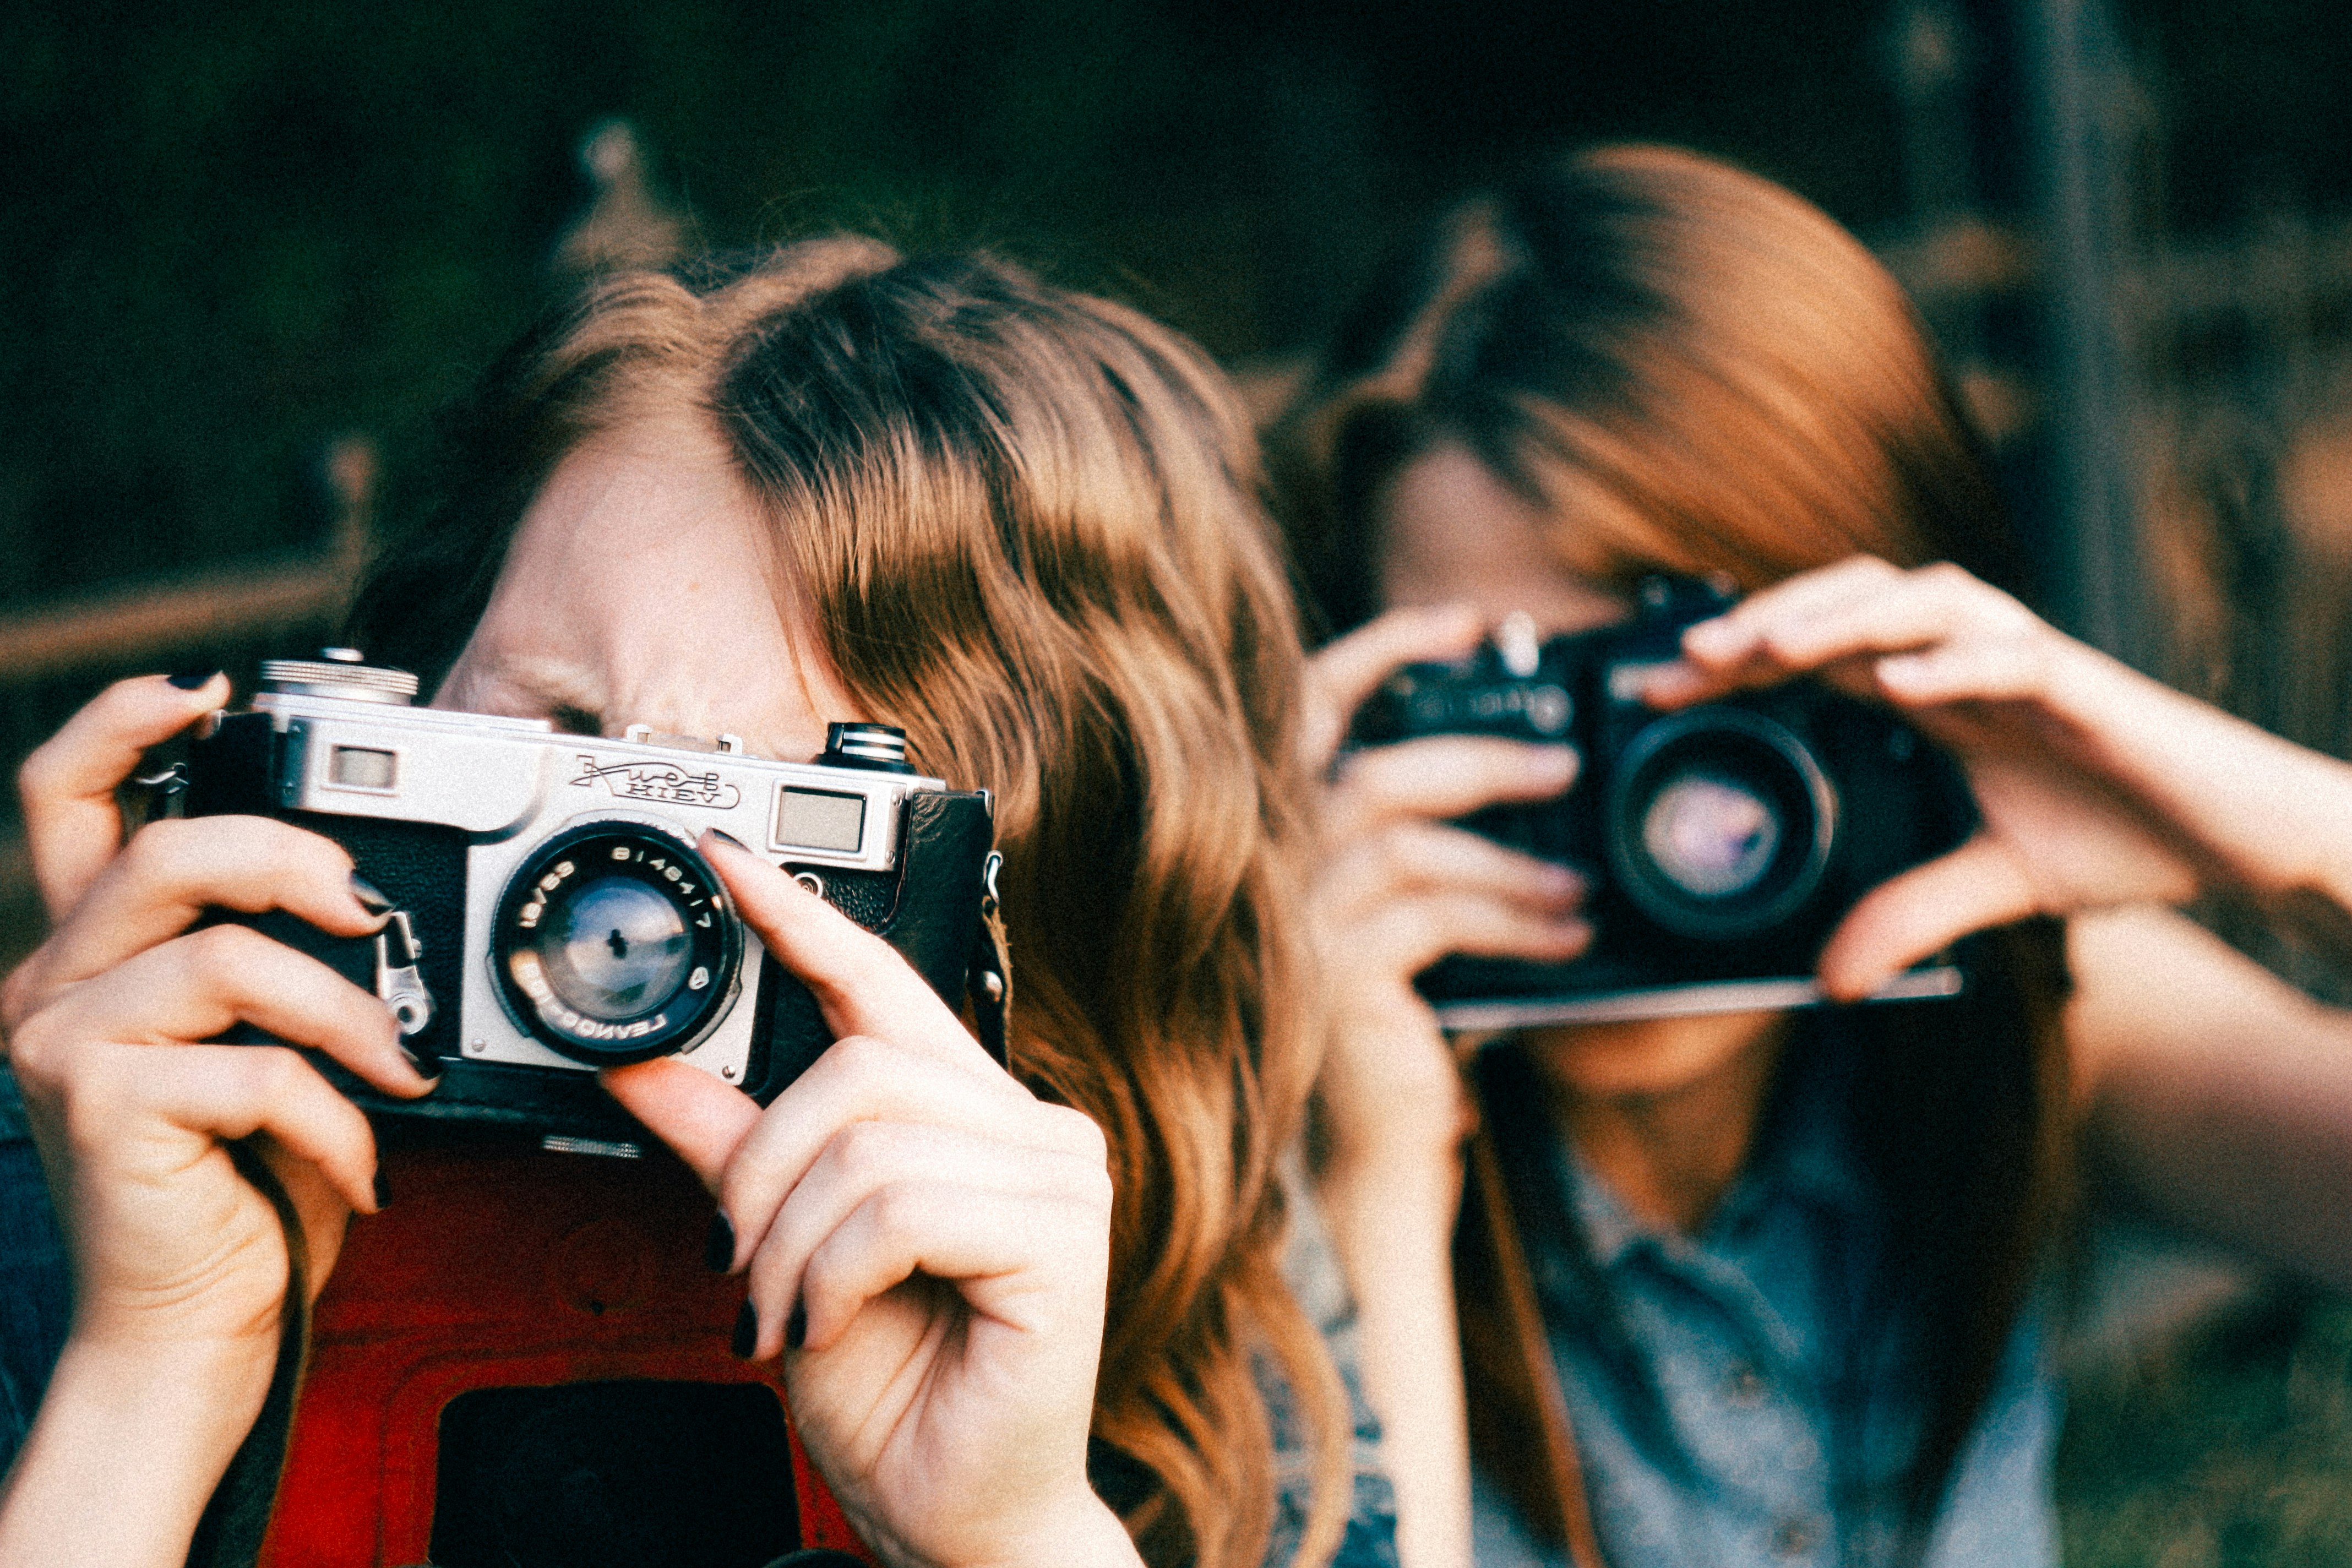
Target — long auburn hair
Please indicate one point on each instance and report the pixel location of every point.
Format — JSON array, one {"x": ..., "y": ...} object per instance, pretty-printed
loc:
[
  {"x": 1027, "y": 521},
  {"x": 1690, "y": 368}
]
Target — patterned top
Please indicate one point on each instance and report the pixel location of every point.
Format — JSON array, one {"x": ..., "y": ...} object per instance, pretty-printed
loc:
[
  {"x": 1312, "y": 1267},
  {"x": 33, "y": 1300}
]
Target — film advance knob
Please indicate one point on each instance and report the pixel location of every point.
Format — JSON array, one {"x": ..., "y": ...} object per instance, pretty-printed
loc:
[{"x": 879, "y": 747}]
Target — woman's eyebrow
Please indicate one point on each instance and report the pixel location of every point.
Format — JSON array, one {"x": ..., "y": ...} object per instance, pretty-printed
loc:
[{"x": 552, "y": 689}]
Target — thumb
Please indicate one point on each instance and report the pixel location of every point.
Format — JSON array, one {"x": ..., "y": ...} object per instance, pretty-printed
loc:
[
  {"x": 698, "y": 1117},
  {"x": 1918, "y": 913}
]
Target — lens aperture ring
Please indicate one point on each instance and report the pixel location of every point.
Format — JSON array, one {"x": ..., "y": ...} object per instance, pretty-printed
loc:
[
  {"x": 1719, "y": 822},
  {"x": 614, "y": 942}
]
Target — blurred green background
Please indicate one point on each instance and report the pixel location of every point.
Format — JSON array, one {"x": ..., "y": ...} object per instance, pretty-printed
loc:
[
  {"x": 235, "y": 233},
  {"x": 236, "y": 230}
]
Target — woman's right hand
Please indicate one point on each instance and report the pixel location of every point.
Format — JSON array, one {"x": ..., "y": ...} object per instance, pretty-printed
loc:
[
  {"x": 181, "y": 1265},
  {"x": 1398, "y": 886}
]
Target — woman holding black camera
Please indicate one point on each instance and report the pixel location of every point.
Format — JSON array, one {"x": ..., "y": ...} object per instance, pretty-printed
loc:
[
  {"x": 1762, "y": 1286},
  {"x": 1017, "y": 523}
]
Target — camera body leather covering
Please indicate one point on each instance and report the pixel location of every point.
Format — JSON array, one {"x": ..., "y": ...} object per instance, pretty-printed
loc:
[{"x": 575, "y": 1290}]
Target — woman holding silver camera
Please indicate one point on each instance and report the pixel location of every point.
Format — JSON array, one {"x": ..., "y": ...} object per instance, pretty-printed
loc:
[
  {"x": 1762, "y": 1286},
  {"x": 1019, "y": 524}
]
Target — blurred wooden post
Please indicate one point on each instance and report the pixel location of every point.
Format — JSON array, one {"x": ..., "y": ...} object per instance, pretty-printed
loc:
[
  {"x": 2068, "y": 70},
  {"x": 151, "y": 621},
  {"x": 626, "y": 223}
]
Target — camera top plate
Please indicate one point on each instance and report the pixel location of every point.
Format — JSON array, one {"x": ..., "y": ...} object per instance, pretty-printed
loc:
[{"x": 492, "y": 776}]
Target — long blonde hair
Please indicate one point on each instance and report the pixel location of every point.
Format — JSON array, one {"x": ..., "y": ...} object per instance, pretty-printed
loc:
[{"x": 1026, "y": 523}]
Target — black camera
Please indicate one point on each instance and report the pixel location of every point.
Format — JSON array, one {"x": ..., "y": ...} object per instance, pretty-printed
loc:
[
  {"x": 1724, "y": 842},
  {"x": 551, "y": 913}
]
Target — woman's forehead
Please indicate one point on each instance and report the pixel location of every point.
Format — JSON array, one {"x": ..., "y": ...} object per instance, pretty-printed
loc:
[
  {"x": 1451, "y": 532},
  {"x": 639, "y": 591}
]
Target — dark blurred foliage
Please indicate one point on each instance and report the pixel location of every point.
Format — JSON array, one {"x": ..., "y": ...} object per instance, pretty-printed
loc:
[
  {"x": 2227, "y": 1446},
  {"x": 2256, "y": 96},
  {"x": 236, "y": 229}
]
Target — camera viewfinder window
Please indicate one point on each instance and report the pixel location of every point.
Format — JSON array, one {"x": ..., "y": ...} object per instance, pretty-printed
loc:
[
  {"x": 819, "y": 819},
  {"x": 356, "y": 767}
]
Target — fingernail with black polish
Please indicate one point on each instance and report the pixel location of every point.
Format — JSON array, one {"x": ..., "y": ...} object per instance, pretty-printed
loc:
[
  {"x": 725, "y": 837},
  {"x": 426, "y": 1065},
  {"x": 383, "y": 1191},
  {"x": 796, "y": 1327},
  {"x": 718, "y": 1250},
  {"x": 370, "y": 896},
  {"x": 194, "y": 679},
  {"x": 747, "y": 1332}
]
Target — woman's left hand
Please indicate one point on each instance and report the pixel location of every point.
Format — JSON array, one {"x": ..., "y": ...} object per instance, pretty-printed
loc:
[
  {"x": 2098, "y": 786},
  {"x": 928, "y": 1244}
]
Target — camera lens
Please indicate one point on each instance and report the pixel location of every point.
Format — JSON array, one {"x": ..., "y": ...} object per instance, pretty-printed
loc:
[
  {"x": 1712, "y": 837},
  {"x": 611, "y": 944},
  {"x": 614, "y": 943},
  {"x": 1719, "y": 822}
]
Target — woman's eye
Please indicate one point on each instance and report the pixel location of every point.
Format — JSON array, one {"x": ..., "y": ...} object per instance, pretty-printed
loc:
[{"x": 573, "y": 721}]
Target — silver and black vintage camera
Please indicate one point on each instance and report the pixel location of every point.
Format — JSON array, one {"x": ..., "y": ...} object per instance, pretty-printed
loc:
[
  {"x": 551, "y": 914},
  {"x": 1723, "y": 842}
]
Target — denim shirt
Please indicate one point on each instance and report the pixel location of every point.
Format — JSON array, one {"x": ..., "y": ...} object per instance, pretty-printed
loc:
[
  {"x": 1773, "y": 1424},
  {"x": 1310, "y": 1265},
  {"x": 34, "y": 1298}
]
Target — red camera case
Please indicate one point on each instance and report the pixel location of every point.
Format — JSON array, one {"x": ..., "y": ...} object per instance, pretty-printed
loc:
[{"x": 496, "y": 1269}]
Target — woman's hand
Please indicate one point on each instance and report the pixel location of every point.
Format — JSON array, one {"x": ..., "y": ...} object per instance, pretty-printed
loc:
[
  {"x": 2097, "y": 785},
  {"x": 73, "y": 828},
  {"x": 101, "y": 1024},
  {"x": 181, "y": 1265},
  {"x": 927, "y": 1242},
  {"x": 1398, "y": 886}
]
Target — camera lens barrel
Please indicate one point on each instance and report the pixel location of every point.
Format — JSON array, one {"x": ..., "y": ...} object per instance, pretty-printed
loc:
[
  {"x": 1719, "y": 822},
  {"x": 614, "y": 942}
]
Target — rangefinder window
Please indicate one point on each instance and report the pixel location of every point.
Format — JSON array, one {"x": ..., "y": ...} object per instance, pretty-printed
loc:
[
  {"x": 818, "y": 819},
  {"x": 358, "y": 767}
]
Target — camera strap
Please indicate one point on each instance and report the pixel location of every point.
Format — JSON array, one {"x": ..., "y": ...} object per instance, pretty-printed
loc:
[
  {"x": 1522, "y": 1314},
  {"x": 237, "y": 1517}
]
